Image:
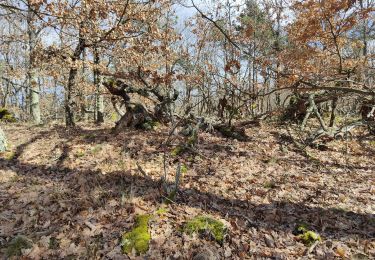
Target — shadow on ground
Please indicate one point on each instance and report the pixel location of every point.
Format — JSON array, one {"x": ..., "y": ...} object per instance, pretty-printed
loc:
[
  {"x": 77, "y": 186},
  {"x": 278, "y": 215}
]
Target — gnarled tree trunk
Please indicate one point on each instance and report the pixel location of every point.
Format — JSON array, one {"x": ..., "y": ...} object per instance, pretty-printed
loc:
[
  {"x": 368, "y": 114},
  {"x": 70, "y": 87},
  {"x": 137, "y": 115}
]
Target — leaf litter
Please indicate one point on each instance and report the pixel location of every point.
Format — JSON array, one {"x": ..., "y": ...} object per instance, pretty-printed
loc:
[{"x": 74, "y": 194}]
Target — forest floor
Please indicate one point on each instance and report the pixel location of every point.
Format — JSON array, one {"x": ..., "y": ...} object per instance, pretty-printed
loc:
[{"x": 74, "y": 193}]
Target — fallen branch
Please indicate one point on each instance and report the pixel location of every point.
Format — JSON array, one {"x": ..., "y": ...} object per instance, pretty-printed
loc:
[{"x": 312, "y": 247}]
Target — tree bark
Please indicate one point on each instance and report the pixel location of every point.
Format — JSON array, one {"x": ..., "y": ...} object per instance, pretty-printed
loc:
[
  {"x": 99, "y": 99},
  {"x": 333, "y": 112},
  {"x": 136, "y": 114},
  {"x": 3, "y": 141},
  {"x": 69, "y": 98},
  {"x": 32, "y": 78}
]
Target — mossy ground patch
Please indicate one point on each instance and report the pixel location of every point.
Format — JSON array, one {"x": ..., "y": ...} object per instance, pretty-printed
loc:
[
  {"x": 305, "y": 235},
  {"x": 206, "y": 225},
  {"x": 139, "y": 238},
  {"x": 16, "y": 245}
]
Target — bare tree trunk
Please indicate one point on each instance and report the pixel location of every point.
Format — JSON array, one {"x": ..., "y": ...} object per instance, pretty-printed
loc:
[
  {"x": 32, "y": 78},
  {"x": 4, "y": 92},
  {"x": 69, "y": 98},
  {"x": 99, "y": 99},
  {"x": 81, "y": 93},
  {"x": 3, "y": 141},
  {"x": 54, "y": 107}
]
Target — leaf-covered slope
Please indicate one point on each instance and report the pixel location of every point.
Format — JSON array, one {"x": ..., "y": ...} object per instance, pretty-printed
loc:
[{"x": 75, "y": 194}]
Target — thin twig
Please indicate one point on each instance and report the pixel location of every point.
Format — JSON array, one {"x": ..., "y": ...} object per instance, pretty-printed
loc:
[
  {"x": 172, "y": 201},
  {"x": 140, "y": 169}
]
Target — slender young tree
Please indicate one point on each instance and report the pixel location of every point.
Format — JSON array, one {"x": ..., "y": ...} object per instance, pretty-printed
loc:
[{"x": 99, "y": 99}]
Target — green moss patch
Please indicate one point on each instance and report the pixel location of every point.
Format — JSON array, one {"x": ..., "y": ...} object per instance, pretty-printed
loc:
[
  {"x": 309, "y": 237},
  {"x": 139, "y": 238},
  {"x": 149, "y": 125},
  {"x": 269, "y": 185},
  {"x": 96, "y": 149},
  {"x": 305, "y": 235},
  {"x": 162, "y": 211},
  {"x": 180, "y": 149},
  {"x": 16, "y": 245},
  {"x": 10, "y": 155},
  {"x": 7, "y": 116},
  {"x": 184, "y": 169},
  {"x": 206, "y": 225},
  {"x": 80, "y": 153}
]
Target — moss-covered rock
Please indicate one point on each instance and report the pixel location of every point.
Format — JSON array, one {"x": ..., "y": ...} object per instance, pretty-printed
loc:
[
  {"x": 139, "y": 238},
  {"x": 16, "y": 245},
  {"x": 149, "y": 124},
  {"x": 232, "y": 132},
  {"x": 146, "y": 126},
  {"x": 206, "y": 225}
]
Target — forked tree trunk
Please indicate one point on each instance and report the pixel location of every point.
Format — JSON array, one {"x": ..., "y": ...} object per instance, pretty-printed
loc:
[
  {"x": 136, "y": 114},
  {"x": 368, "y": 114}
]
